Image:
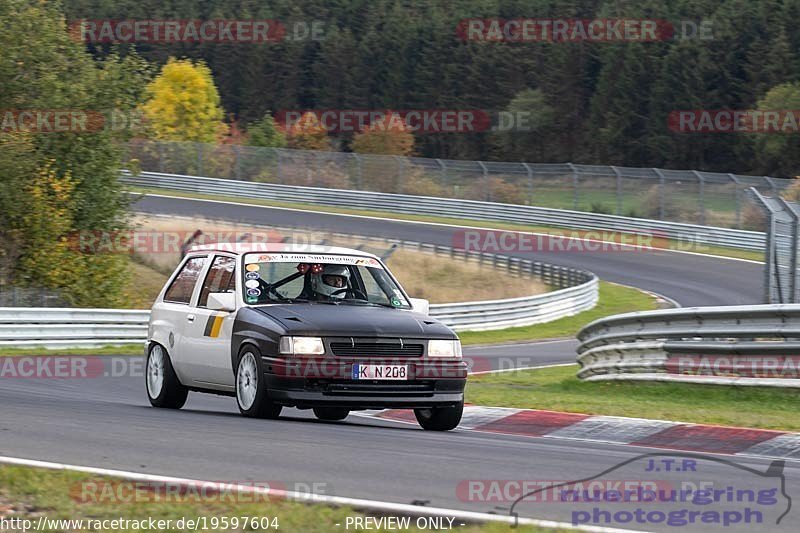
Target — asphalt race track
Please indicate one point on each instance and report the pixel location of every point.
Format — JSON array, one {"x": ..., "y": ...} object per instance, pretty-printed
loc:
[
  {"x": 691, "y": 280},
  {"x": 688, "y": 279},
  {"x": 107, "y": 422}
]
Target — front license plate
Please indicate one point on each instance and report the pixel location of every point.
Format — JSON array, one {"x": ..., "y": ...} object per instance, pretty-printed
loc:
[{"x": 396, "y": 372}]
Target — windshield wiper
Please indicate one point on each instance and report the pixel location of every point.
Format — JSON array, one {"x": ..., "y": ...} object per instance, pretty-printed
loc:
[{"x": 367, "y": 302}]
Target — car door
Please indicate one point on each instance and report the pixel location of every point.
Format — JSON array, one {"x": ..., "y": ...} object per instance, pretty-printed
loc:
[
  {"x": 169, "y": 315},
  {"x": 206, "y": 344}
]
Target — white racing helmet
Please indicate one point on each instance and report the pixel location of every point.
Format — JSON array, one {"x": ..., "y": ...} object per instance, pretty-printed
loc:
[{"x": 332, "y": 278}]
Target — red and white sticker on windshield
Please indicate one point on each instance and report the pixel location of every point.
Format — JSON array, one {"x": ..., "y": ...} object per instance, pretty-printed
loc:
[{"x": 312, "y": 258}]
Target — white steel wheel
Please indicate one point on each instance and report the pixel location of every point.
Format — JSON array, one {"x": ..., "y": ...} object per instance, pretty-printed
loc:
[
  {"x": 251, "y": 391},
  {"x": 247, "y": 382},
  {"x": 155, "y": 372},
  {"x": 164, "y": 389}
]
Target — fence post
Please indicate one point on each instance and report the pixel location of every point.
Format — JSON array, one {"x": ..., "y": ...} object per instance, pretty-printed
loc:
[
  {"x": 738, "y": 200},
  {"x": 486, "y": 185},
  {"x": 161, "y": 157},
  {"x": 529, "y": 170},
  {"x": 618, "y": 174},
  {"x": 237, "y": 167},
  {"x": 199, "y": 158},
  {"x": 792, "y": 211},
  {"x": 575, "y": 185},
  {"x": 769, "y": 249},
  {"x": 702, "y": 199},
  {"x": 279, "y": 167},
  {"x": 660, "y": 193},
  {"x": 443, "y": 168},
  {"x": 359, "y": 171},
  {"x": 400, "y": 167}
]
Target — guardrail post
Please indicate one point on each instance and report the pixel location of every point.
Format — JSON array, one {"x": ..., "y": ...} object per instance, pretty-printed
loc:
[
  {"x": 618, "y": 174},
  {"x": 701, "y": 199},
  {"x": 661, "y": 183},
  {"x": 575, "y": 185}
]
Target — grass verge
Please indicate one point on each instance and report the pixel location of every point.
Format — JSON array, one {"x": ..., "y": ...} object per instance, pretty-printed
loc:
[
  {"x": 59, "y": 495},
  {"x": 614, "y": 299},
  {"x": 558, "y": 389},
  {"x": 128, "y": 349},
  {"x": 662, "y": 243}
]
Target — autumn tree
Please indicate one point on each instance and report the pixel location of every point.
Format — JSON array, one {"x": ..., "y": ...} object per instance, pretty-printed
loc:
[
  {"x": 265, "y": 133},
  {"x": 307, "y": 133},
  {"x": 389, "y": 136},
  {"x": 183, "y": 104},
  {"x": 58, "y": 184}
]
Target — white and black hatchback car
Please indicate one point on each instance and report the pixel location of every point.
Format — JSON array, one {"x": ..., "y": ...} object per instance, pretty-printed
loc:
[{"x": 322, "y": 328}]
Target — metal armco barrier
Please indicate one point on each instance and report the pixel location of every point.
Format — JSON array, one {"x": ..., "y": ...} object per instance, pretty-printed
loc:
[
  {"x": 53, "y": 327},
  {"x": 741, "y": 345},
  {"x": 577, "y": 291},
  {"x": 688, "y": 234}
]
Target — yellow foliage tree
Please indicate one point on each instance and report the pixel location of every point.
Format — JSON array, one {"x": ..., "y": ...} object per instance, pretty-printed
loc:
[
  {"x": 183, "y": 104},
  {"x": 308, "y": 133},
  {"x": 51, "y": 259},
  {"x": 389, "y": 136}
]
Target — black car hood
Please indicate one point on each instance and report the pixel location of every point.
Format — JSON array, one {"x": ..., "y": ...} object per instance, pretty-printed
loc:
[{"x": 354, "y": 321}]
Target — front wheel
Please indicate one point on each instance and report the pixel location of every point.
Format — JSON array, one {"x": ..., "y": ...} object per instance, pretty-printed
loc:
[
  {"x": 331, "y": 413},
  {"x": 163, "y": 387},
  {"x": 440, "y": 418},
  {"x": 251, "y": 393}
]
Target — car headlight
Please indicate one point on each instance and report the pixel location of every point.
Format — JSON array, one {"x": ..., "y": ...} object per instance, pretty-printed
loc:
[
  {"x": 444, "y": 348},
  {"x": 302, "y": 346}
]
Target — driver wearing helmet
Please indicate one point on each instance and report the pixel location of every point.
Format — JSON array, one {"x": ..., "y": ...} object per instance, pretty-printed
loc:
[{"x": 332, "y": 279}]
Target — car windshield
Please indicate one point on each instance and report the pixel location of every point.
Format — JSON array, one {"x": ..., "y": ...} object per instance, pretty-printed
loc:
[{"x": 325, "y": 278}]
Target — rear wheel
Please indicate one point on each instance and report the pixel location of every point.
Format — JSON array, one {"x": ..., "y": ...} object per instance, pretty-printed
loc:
[
  {"x": 251, "y": 392},
  {"x": 439, "y": 418},
  {"x": 163, "y": 387},
  {"x": 331, "y": 413}
]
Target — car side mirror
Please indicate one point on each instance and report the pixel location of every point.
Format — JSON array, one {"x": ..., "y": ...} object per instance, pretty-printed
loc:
[
  {"x": 222, "y": 301},
  {"x": 420, "y": 305}
]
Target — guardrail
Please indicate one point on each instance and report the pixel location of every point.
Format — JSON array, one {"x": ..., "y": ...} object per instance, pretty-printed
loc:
[
  {"x": 742, "y": 345},
  {"x": 53, "y": 327},
  {"x": 90, "y": 328},
  {"x": 450, "y": 207}
]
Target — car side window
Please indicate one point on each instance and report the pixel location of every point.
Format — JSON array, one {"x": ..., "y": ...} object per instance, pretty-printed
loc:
[
  {"x": 182, "y": 287},
  {"x": 219, "y": 278}
]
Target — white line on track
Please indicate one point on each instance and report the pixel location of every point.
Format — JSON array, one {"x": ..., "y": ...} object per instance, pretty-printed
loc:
[{"x": 369, "y": 505}]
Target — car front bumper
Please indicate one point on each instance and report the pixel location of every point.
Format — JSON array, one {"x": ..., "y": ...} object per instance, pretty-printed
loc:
[{"x": 313, "y": 382}]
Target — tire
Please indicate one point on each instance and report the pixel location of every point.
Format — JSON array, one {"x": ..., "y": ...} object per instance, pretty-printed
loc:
[
  {"x": 331, "y": 413},
  {"x": 439, "y": 418},
  {"x": 252, "y": 396},
  {"x": 162, "y": 384}
]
